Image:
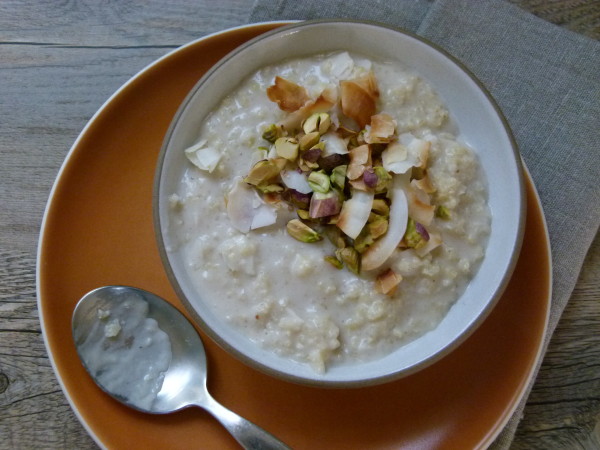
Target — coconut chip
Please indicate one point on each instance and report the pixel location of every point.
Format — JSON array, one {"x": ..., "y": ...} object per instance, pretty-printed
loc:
[
  {"x": 381, "y": 130},
  {"x": 287, "y": 94},
  {"x": 323, "y": 103},
  {"x": 205, "y": 158},
  {"x": 355, "y": 213},
  {"x": 246, "y": 210},
  {"x": 387, "y": 282},
  {"x": 357, "y": 103}
]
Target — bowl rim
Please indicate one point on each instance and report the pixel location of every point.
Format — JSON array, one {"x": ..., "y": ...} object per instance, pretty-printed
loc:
[{"x": 389, "y": 375}]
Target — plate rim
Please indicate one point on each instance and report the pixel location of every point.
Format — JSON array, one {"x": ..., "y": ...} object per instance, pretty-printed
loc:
[{"x": 527, "y": 179}]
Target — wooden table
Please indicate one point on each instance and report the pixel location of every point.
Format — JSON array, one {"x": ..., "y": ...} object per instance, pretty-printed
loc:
[{"x": 59, "y": 61}]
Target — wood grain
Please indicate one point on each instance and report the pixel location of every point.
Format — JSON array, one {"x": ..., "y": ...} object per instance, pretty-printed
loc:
[{"x": 59, "y": 62}]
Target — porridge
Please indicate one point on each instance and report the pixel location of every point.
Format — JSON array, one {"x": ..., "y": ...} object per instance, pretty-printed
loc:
[
  {"x": 328, "y": 213},
  {"x": 127, "y": 352}
]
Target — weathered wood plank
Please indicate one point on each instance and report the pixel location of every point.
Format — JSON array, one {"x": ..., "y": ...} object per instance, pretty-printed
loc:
[{"x": 117, "y": 23}]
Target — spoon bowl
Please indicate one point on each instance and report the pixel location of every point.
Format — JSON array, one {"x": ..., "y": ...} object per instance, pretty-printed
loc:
[{"x": 184, "y": 383}]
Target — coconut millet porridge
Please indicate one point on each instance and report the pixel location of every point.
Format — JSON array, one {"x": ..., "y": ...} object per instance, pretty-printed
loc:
[{"x": 327, "y": 213}]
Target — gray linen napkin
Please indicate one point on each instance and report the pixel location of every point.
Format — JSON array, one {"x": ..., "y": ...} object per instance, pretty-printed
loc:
[{"x": 547, "y": 83}]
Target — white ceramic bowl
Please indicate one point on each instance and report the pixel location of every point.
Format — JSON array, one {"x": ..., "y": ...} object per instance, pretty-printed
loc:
[{"x": 481, "y": 125}]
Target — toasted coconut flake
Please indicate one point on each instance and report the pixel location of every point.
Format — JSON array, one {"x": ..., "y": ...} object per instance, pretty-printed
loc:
[
  {"x": 339, "y": 65},
  {"x": 419, "y": 205},
  {"x": 360, "y": 155},
  {"x": 381, "y": 130},
  {"x": 435, "y": 240},
  {"x": 369, "y": 84},
  {"x": 355, "y": 213},
  {"x": 360, "y": 159},
  {"x": 334, "y": 144},
  {"x": 205, "y": 158},
  {"x": 425, "y": 184},
  {"x": 247, "y": 210},
  {"x": 395, "y": 158},
  {"x": 324, "y": 102},
  {"x": 387, "y": 282},
  {"x": 295, "y": 180},
  {"x": 406, "y": 153},
  {"x": 377, "y": 254},
  {"x": 288, "y": 95},
  {"x": 355, "y": 171},
  {"x": 357, "y": 103},
  {"x": 360, "y": 185},
  {"x": 419, "y": 148}
]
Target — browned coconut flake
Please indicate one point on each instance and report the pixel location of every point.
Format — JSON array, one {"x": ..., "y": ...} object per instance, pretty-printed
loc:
[{"x": 287, "y": 94}]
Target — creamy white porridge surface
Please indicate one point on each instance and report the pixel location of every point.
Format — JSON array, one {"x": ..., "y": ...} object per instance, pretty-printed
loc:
[
  {"x": 127, "y": 352},
  {"x": 395, "y": 243}
]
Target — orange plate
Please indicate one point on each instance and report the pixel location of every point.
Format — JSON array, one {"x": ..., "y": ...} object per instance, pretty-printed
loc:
[{"x": 98, "y": 230}]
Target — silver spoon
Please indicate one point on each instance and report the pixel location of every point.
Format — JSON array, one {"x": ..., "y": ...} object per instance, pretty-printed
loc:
[{"x": 184, "y": 383}]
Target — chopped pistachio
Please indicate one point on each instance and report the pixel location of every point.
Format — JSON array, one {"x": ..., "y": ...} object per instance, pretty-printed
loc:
[
  {"x": 332, "y": 220},
  {"x": 334, "y": 262},
  {"x": 383, "y": 179},
  {"x": 412, "y": 237},
  {"x": 373, "y": 217},
  {"x": 380, "y": 207},
  {"x": 345, "y": 132},
  {"x": 335, "y": 236},
  {"x": 303, "y": 214},
  {"x": 306, "y": 166},
  {"x": 328, "y": 163},
  {"x": 351, "y": 257},
  {"x": 378, "y": 227},
  {"x": 309, "y": 140},
  {"x": 363, "y": 240},
  {"x": 319, "y": 122},
  {"x": 443, "y": 213},
  {"x": 262, "y": 172},
  {"x": 338, "y": 176},
  {"x": 269, "y": 188},
  {"x": 313, "y": 154},
  {"x": 319, "y": 181},
  {"x": 325, "y": 204},
  {"x": 302, "y": 232},
  {"x": 287, "y": 147},
  {"x": 272, "y": 133}
]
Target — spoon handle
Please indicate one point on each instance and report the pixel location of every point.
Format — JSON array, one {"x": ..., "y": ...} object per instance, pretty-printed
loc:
[{"x": 249, "y": 435}]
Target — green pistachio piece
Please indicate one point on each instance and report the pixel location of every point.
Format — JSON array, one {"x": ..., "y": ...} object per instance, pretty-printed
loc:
[
  {"x": 302, "y": 232},
  {"x": 338, "y": 176},
  {"x": 378, "y": 227},
  {"x": 380, "y": 207},
  {"x": 363, "y": 240},
  {"x": 335, "y": 236},
  {"x": 309, "y": 140},
  {"x": 383, "y": 179},
  {"x": 263, "y": 171},
  {"x": 272, "y": 133},
  {"x": 443, "y": 213},
  {"x": 319, "y": 122},
  {"x": 287, "y": 147},
  {"x": 269, "y": 188},
  {"x": 303, "y": 214},
  {"x": 319, "y": 181},
  {"x": 334, "y": 262},
  {"x": 350, "y": 257},
  {"x": 412, "y": 237}
]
